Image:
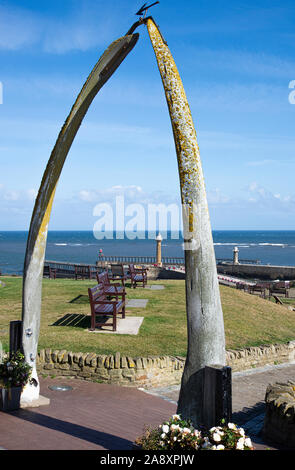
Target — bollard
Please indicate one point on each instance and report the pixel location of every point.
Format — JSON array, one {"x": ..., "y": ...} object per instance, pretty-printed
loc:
[{"x": 217, "y": 395}]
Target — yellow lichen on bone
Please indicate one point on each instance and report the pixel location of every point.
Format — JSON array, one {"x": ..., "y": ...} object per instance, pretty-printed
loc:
[{"x": 187, "y": 149}]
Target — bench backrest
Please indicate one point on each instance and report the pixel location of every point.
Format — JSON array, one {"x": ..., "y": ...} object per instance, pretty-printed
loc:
[
  {"x": 280, "y": 285},
  {"x": 103, "y": 278},
  {"x": 117, "y": 269},
  {"x": 131, "y": 269},
  {"x": 95, "y": 292}
]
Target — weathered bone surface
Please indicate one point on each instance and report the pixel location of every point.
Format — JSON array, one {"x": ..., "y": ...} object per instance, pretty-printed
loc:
[
  {"x": 206, "y": 341},
  {"x": 36, "y": 244}
]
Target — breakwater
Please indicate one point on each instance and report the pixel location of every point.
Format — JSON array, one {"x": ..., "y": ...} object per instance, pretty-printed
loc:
[
  {"x": 258, "y": 271},
  {"x": 177, "y": 270}
]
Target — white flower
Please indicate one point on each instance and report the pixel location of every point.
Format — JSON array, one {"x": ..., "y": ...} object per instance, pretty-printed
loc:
[
  {"x": 213, "y": 429},
  {"x": 186, "y": 431},
  {"x": 216, "y": 437},
  {"x": 163, "y": 435},
  {"x": 165, "y": 428},
  {"x": 240, "y": 444},
  {"x": 248, "y": 442},
  {"x": 197, "y": 433},
  {"x": 213, "y": 448},
  {"x": 242, "y": 432},
  {"x": 220, "y": 447},
  {"x": 174, "y": 427},
  {"x": 231, "y": 426},
  {"x": 175, "y": 417}
]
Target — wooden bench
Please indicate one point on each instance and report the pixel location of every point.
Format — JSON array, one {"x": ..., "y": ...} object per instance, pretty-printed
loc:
[
  {"x": 242, "y": 286},
  {"x": 102, "y": 306},
  {"x": 109, "y": 287},
  {"x": 259, "y": 287},
  {"x": 137, "y": 275},
  {"x": 118, "y": 273},
  {"x": 279, "y": 288}
]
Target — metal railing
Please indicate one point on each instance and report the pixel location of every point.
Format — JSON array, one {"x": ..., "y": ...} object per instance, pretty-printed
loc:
[
  {"x": 67, "y": 269},
  {"x": 241, "y": 261}
]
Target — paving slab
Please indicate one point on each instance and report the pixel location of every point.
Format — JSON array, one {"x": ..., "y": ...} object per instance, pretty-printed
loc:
[
  {"x": 136, "y": 303},
  {"x": 125, "y": 326},
  {"x": 155, "y": 287}
]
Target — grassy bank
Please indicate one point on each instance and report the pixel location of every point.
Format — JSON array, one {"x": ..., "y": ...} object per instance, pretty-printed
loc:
[{"x": 249, "y": 320}]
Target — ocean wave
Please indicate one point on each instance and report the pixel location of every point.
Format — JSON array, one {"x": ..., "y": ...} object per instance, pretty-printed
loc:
[
  {"x": 248, "y": 245},
  {"x": 242, "y": 245},
  {"x": 273, "y": 244},
  {"x": 60, "y": 244}
]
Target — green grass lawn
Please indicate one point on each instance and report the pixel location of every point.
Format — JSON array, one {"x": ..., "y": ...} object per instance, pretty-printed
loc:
[{"x": 249, "y": 320}]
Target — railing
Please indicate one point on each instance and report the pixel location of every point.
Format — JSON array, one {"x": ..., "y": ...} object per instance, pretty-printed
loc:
[
  {"x": 128, "y": 259},
  {"x": 141, "y": 259},
  {"x": 241, "y": 261},
  {"x": 67, "y": 270}
]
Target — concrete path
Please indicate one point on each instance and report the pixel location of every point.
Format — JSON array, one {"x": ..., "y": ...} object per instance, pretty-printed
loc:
[{"x": 125, "y": 326}]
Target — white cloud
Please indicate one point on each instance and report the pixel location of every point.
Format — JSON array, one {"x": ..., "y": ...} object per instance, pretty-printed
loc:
[
  {"x": 31, "y": 194},
  {"x": 130, "y": 193},
  {"x": 23, "y": 195},
  {"x": 11, "y": 195},
  {"x": 268, "y": 199},
  {"x": 18, "y": 28},
  {"x": 215, "y": 196}
]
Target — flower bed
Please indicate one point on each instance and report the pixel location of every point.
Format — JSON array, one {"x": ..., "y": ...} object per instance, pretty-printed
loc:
[{"x": 178, "y": 434}]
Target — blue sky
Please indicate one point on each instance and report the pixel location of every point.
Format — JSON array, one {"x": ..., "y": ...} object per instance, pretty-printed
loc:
[{"x": 236, "y": 60}]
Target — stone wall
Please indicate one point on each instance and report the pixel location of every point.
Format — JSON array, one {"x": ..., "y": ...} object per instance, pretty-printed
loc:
[
  {"x": 259, "y": 356},
  {"x": 258, "y": 271},
  {"x": 153, "y": 371},
  {"x": 114, "y": 369},
  {"x": 279, "y": 420},
  {"x": 156, "y": 272}
]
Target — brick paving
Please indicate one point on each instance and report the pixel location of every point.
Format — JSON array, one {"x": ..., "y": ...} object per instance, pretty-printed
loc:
[
  {"x": 92, "y": 416},
  {"x": 248, "y": 393},
  {"x": 96, "y": 416}
]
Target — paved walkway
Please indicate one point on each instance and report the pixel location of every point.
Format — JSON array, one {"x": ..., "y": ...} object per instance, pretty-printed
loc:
[
  {"x": 95, "y": 416},
  {"x": 248, "y": 393}
]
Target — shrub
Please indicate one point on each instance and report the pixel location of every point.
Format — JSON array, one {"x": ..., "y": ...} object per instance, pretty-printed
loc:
[
  {"x": 14, "y": 371},
  {"x": 178, "y": 434}
]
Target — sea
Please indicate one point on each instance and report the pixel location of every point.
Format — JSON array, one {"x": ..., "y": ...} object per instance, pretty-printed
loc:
[{"x": 268, "y": 247}]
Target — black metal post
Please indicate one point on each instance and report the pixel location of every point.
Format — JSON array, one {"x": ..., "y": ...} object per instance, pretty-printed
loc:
[
  {"x": 217, "y": 395},
  {"x": 15, "y": 337}
]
